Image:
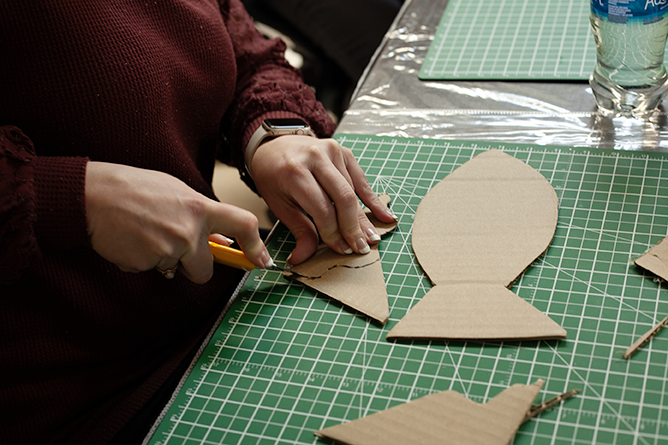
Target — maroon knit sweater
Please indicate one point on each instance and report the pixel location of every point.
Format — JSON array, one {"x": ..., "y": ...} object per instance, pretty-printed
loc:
[{"x": 83, "y": 346}]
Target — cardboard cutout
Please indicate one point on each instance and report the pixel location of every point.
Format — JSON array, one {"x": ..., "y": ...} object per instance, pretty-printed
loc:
[
  {"x": 442, "y": 418},
  {"x": 475, "y": 232}
]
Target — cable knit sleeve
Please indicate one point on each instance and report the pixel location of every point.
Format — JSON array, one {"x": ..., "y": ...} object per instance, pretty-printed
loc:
[
  {"x": 42, "y": 203},
  {"x": 267, "y": 87}
]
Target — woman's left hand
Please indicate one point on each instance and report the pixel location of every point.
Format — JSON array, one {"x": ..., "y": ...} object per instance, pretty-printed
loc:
[{"x": 301, "y": 177}]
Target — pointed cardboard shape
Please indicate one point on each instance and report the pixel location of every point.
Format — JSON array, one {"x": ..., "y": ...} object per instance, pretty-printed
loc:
[
  {"x": 484, "y": 224},
  {"x": 442, "y": 418},
  {"x": 472, "y": 312},
  {"x": 656, "y": 259},
  {"x": 355, "y": 280}
]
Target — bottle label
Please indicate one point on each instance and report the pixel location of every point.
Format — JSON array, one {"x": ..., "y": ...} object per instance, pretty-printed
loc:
[{"x": 623, "y": 11}]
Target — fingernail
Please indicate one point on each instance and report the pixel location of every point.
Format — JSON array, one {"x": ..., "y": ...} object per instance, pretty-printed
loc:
[
  {"x": 266, "y": 260},
  {"x": 373, "y": 236},
  {"x": 221, "y": 239},
  {"x": 345, "y": 248},
  {"x": 363, "y": 247},
  {"x": 391, "y": 213},
  {"x": 288, "y": 259}
]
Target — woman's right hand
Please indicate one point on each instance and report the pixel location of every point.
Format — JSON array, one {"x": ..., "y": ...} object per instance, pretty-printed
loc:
[{"x": 142, "y": 219}]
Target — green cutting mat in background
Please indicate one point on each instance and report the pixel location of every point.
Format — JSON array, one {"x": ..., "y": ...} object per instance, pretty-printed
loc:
[
  {"x": 512, "y": 40},
  {"x": 286, "y": 361}
]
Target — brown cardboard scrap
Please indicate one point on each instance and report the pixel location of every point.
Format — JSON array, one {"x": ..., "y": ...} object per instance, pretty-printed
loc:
[
  {"x": 354, "y": 280},
  {"x": 442, "y": 418},
  {"x": 656, "y": 259},
  {"x": 474, "y": 233}
]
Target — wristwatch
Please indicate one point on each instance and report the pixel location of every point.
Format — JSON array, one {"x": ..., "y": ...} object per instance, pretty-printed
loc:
[{"x": 271, "y": 128}]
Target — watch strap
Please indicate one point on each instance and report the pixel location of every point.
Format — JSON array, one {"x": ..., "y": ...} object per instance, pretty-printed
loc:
[{"x": 263, "y": 133}]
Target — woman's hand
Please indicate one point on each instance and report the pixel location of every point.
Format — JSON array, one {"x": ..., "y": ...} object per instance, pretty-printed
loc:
[
  {"x": 301, "y": 177},
  {"x": 143, "y": 219}
]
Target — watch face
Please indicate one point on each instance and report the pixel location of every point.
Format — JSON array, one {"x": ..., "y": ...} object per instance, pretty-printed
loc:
[{"x": 284, "y": 124}]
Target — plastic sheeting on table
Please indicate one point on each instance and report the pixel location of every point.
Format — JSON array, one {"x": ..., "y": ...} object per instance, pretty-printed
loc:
[{"x": 390, "y": 100}]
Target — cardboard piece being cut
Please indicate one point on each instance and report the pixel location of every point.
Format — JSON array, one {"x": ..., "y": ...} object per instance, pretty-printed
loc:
[
  {"x": 474, "y": 233},
  {"x": 355, "y": 280},
  {"x": 442, "y": 418}
]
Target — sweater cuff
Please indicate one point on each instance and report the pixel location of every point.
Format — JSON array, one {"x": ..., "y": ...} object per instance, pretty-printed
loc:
[{"x": 60, "y": 201}]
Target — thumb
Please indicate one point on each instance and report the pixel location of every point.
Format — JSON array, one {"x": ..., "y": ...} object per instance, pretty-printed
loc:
[
  {"x": 305, "y": 235},
  {"x": 243, "y": 226}
]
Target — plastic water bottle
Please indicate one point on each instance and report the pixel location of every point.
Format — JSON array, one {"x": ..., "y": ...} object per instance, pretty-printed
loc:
[{"x": 630, "y": 36}]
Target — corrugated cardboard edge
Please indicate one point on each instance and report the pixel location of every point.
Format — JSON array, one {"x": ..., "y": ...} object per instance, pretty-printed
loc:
[{"x": 442, "y": 418}]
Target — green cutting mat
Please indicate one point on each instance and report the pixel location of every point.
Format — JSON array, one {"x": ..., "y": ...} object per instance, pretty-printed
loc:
[
  {"x": 512, "y": 39},
  {"x": 286, "y": 362}
]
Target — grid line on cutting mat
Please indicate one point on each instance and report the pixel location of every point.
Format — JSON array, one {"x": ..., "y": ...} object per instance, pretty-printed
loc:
[{"x": 286, "y": 361}]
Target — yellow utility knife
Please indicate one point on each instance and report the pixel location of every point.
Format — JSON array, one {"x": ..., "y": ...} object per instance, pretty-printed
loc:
[{"x": 230, "y": 257}]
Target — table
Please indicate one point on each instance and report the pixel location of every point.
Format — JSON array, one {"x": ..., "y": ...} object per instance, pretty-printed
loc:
[
  {"x": 391, "y": 100},
  {"x": 285, "y": 362}
]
